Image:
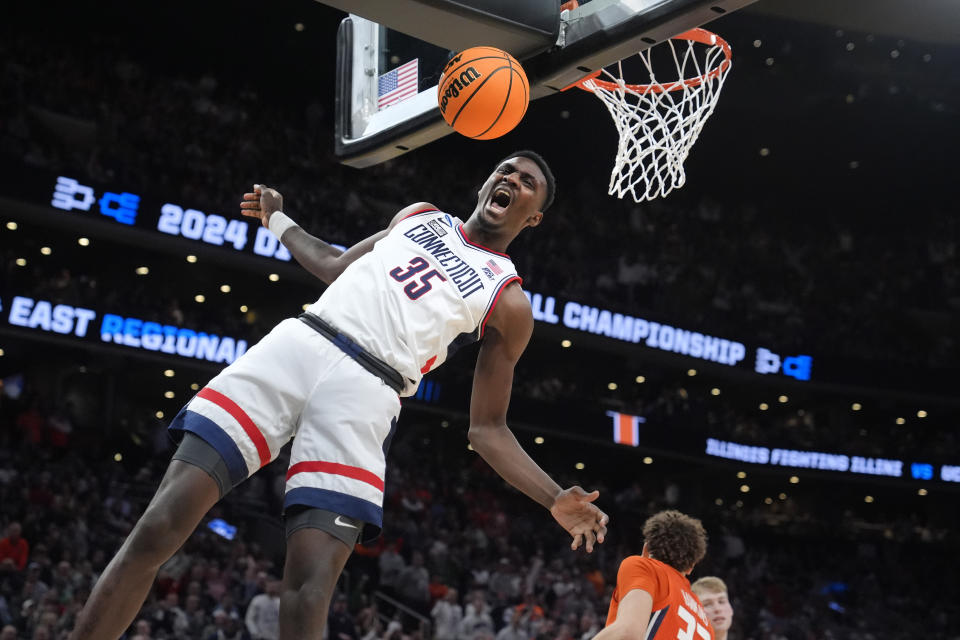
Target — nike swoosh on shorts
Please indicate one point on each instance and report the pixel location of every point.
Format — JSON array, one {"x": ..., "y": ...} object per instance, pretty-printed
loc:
[{"x": 340, "y": 523}]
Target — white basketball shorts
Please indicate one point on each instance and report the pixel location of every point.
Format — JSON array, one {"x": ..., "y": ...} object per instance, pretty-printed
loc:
[{"x": 297, "y": 384}]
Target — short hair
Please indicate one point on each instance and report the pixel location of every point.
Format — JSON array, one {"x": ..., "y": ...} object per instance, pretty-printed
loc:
[
  {"x": 538, "y": 159},
  {"x": 675, "y": 539},
  {"x": 709, "y": 584}
]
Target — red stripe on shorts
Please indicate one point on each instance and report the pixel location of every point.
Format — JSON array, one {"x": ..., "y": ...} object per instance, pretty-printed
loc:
[
  {"x": 242, "y": 418},
  {"x": 336, "y": 469}
]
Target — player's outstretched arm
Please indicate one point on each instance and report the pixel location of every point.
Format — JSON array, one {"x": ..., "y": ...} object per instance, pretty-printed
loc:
[
  {"x": 321, "y": 259},
  {"x": 633, "y": 616},
  {"x": 506, "y": 336}
]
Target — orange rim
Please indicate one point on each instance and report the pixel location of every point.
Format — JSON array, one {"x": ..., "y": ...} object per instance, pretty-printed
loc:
[{"x": 695, "y": 35}]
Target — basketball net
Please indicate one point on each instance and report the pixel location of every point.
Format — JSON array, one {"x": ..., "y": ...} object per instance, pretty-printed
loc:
[{"x": 658, "y": 122}]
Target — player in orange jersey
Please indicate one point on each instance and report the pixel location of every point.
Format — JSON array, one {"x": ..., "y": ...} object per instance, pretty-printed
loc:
[
  {"x": 653, "y": 599},
  {"x": 712, "y": 592}
]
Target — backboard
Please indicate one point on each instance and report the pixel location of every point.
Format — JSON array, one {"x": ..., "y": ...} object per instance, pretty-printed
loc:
[{"x": 389, "y": 58}]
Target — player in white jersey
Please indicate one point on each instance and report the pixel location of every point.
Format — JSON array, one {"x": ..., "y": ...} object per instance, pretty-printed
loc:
[{"x": 399, "y": 303}]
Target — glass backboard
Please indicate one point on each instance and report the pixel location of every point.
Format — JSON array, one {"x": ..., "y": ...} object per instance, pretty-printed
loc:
[{"x": 387, "y": 94}]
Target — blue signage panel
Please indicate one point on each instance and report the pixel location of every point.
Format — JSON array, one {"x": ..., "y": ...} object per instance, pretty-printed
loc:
[{"x": 126, "y": 330}]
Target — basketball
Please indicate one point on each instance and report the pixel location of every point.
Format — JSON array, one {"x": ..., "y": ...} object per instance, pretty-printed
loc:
[{"x": 483, "y": 93}]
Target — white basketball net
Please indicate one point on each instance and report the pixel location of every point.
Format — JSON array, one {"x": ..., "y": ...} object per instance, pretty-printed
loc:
[{"x": 659, "y": 122}]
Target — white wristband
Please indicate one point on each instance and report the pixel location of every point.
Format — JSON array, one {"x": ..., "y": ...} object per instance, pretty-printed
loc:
[{"x": 279, "y": 223}]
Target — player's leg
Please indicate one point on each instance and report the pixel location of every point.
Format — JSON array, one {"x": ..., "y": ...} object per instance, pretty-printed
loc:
[
  {"x": 318, "y": 545},
  {"x": 232, "y": 427},
  {"x": 185, "y": 495},
  {"x": 334, "y": 487}
]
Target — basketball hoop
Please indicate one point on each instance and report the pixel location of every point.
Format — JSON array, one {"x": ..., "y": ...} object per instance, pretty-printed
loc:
[{"x": 658, "y": 122}]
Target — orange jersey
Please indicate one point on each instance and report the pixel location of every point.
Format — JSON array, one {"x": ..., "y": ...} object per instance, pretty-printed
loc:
[{"x": 677, "y": 613}]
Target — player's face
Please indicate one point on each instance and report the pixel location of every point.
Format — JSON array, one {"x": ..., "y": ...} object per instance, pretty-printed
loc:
[
  {"x": 512, "y": 195},
  {"x": 718, "y": 609}
]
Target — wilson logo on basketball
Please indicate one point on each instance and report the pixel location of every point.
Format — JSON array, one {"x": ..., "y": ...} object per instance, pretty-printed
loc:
[
  {"x": 483, "y": 93},
  {"x": 457, "y": 85}
]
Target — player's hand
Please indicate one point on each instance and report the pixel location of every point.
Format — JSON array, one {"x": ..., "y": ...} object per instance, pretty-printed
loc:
[
  {"x": 583, "y": 520},
  {"x": 261, "y": 203}
]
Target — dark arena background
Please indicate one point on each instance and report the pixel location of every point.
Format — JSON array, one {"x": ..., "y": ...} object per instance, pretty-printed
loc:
[{"x": 812, "y": 254}]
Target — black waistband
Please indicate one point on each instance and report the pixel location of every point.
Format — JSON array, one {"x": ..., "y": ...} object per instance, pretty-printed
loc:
[{"x": 390, "y": 376}]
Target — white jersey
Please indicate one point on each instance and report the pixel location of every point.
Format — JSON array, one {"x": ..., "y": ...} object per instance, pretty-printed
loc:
[{"x": 424, "y": 291}]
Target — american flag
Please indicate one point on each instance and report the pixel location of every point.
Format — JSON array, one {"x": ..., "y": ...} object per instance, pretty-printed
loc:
[
  {"x": 494, "y": 267},
  {"x": 397, "y": 85}
]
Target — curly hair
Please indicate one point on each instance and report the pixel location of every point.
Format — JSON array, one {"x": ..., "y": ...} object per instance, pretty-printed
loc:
[{"x": 675, "y": 539}]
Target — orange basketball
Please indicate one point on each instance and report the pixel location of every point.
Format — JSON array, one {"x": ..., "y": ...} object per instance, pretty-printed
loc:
[{"x": 483, "y": 93}]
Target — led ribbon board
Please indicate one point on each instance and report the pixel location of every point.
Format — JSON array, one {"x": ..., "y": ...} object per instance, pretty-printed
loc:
[{"x": 129, "y": 331}]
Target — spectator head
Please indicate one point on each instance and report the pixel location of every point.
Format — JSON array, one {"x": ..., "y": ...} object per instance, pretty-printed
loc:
[
  {"x": 451, "y": 595},
  {"x": 42, "y": 633},
  {"x": 9, "y": 632},
  {"x": 674, "y": 539},
  {"x": 143, "y": 628},
  {"x": 273, "y": 587},
  {"x": 14, "y": 531},
  {"x": 172, "y": 599},
  {"x": 48, "y": 619},
  {"x": 712, "y": 593}
]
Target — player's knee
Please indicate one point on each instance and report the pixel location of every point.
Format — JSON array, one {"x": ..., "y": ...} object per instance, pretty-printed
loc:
[
  {"x": 313, "y": 595},
  {"x": 156, "y": 536}
]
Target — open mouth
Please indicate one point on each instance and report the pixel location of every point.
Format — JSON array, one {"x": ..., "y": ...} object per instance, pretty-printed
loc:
[{"x": 501, "y": 198}]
